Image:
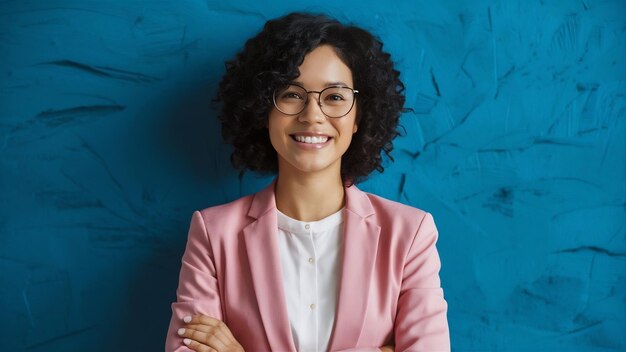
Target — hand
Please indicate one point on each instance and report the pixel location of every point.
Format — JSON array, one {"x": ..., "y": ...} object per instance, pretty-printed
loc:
[
  {"x": 206, "y": 334},
  {"x": 387, "y": 348}
]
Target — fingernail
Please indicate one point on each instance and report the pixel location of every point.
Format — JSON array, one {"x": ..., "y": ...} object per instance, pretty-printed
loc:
[
  {"x": 181, "y": 331},
  {"x": 187, "y": 319},
  {"x": 186, "y": 341}
]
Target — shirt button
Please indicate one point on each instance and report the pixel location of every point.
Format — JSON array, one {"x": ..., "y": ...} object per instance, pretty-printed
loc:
[
  {"x": 312, "y": 306},
  {"x": 307, "y": 226},
  {"x": 311, "y": 260}
]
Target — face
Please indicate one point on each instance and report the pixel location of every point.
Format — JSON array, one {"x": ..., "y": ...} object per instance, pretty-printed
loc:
[{"x": 310, "y": 141}]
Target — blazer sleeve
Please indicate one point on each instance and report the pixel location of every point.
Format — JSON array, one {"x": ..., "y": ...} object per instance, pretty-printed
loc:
[
  {"x": 198, "y": 291},
  {"x": 421, "y": 322}
]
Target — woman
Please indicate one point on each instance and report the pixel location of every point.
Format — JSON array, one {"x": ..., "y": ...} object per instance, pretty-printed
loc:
[{"x": 310, "y": 263}]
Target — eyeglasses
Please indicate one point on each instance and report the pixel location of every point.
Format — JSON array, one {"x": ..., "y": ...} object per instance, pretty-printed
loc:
[{"x": 334, "y": 101}]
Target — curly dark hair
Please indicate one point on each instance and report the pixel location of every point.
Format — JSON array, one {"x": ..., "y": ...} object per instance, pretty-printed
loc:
[{"x": 271, "y": 59}]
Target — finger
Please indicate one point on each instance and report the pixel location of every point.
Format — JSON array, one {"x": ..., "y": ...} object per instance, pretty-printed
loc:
[
  {"x": 221, "y": 332},
  {"x": 199, "y": 327},
  {"x": 210, "y": 321},
  {"x": 195, "y": 335},
  {"x": 204, "y": 319},
  {"x": 214, "y": 337},
  {"x": 196, "y": 346}
]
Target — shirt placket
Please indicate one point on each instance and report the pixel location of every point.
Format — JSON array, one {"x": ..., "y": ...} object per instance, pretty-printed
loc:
[{"x": 311, "y": 287}]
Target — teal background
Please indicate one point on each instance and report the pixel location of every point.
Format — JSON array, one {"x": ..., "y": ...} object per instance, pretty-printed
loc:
[{"x": 108, "y": 142}]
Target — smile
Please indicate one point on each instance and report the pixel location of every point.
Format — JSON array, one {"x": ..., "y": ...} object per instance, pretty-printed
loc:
[
  {"x": 308, "y": 141},
  {"x": 311, "y": 139}
]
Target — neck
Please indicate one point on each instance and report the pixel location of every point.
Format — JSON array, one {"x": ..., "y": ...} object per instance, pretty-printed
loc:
[{"x": 307, "y": 197}]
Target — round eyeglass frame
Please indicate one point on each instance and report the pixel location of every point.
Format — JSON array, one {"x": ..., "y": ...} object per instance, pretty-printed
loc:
[{"x": 319, "y": 99}]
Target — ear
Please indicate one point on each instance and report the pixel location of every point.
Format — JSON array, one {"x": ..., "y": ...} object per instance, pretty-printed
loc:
[{"x": 356, "y": 128}]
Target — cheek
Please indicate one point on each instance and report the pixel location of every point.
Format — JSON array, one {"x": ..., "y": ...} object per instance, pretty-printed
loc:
[
  {"x": 274, "y": 137},
  {"x": 349, "y": 129},
  {"x": 275, "y": 131},
  {"x": 272, "y": 124}
]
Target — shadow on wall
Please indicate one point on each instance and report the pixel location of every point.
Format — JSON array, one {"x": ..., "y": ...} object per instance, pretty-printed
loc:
[
  {"x": 144, "y": 321},
  {"x": 190, "y": 141}
]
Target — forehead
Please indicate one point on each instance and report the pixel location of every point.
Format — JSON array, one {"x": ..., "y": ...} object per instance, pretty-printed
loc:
[{"x": 323, "y": 67}]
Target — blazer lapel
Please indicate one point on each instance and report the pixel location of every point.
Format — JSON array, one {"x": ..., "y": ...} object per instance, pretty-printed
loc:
[
  {"x": 359, "y": 256},
  {"x": 264, "y": 259}
]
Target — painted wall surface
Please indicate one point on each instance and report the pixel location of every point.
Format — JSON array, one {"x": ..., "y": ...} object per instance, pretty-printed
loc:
[{"x": 108, "y": 142}]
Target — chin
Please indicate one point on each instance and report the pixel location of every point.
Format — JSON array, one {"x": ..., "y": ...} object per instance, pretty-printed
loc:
[{"x": 311, "y": 166}]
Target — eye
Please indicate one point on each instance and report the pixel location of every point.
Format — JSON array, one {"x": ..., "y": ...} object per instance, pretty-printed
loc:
[
  {"x": 291, "y": 95},
  {"x": 335, "y": 97}
]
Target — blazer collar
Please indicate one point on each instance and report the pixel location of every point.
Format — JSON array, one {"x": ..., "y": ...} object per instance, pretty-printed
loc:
[
  {"x": 357, "y": 265},
  {"x": 264, "y": 258},
  {"x": 358, "y": 202},
  {"x": 359, "y": 252}
]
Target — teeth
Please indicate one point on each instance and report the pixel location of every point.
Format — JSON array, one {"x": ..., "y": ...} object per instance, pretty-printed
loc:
[{"x": 311, "y": 140}]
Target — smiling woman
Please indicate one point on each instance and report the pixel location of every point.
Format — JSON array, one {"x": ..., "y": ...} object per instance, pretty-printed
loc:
[{"x": 310, "y": 263}]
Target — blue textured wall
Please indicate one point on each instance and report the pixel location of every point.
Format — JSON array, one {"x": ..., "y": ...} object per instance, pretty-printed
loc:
[{"x": 108, "y": 143}]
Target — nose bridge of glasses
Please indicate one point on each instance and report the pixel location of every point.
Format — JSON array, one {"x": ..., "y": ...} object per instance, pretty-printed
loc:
[
  {"x": 319, "y": 96},
  {"x": 317, "y": 113}
]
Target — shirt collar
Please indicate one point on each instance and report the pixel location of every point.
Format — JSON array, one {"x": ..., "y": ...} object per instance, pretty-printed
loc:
[{"x": 305, "y": 227}]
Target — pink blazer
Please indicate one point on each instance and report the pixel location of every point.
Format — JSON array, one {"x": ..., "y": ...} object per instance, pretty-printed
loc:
[{"x": 389, "y": 290}]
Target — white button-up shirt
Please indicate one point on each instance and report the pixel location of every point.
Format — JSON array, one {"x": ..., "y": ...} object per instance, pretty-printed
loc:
[{"x": 310, "y": 256}]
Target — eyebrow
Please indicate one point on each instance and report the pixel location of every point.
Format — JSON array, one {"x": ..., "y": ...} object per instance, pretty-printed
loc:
[{"x": 328, "y": 84}]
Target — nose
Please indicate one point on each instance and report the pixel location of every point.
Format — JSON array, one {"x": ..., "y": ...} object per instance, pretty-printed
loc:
[{"x": 312, "y": 112}]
